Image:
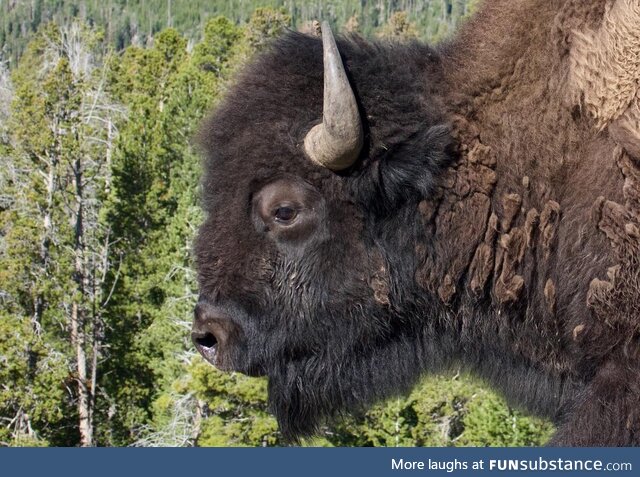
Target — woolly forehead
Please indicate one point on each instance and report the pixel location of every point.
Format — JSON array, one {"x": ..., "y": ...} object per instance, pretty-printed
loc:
[{"x": 260, "y": 127}]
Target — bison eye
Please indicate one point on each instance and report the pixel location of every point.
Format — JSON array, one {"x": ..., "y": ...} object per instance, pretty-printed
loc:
[
  {"x": 287, "y": 210},
  {"x": 285, "y": 214}
]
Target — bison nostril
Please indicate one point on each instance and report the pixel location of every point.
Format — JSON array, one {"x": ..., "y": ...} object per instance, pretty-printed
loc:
[
  {"x": 206, "y": 341},
  {"x": 207, "y": 345},
  {"x": 212, "y": 328}
]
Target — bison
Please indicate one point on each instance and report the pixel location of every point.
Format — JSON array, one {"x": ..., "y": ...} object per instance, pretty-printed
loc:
[{"x": 379, "y": 211}]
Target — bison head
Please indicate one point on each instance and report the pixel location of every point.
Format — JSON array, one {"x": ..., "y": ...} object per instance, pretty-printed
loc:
[{"x": 306, "y": 260}]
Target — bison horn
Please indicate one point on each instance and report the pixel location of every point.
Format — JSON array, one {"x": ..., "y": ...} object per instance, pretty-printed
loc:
[{"x": 336, "y": 142}]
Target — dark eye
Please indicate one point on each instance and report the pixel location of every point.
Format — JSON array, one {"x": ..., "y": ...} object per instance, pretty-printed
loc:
[{"x": 285, "y": 214}]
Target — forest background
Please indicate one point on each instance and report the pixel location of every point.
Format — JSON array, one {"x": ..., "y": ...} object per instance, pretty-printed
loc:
[{"x": 99, "y": 204}]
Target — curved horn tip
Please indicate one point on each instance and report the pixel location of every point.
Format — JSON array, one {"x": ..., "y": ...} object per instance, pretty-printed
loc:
[{"x": 336, "y": 142}]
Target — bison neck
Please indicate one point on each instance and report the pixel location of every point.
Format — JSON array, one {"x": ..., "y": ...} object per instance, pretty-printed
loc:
[{"x": 522, "y": 228}]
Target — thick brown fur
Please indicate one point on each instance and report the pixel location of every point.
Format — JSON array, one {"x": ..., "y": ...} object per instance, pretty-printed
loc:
[
  {"x": 569, "y": 298},
  {"x": 493, "y": 220}
]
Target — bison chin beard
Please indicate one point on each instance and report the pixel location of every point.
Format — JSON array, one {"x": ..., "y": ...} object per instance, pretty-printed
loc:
[{"x": 307, "y": 394}]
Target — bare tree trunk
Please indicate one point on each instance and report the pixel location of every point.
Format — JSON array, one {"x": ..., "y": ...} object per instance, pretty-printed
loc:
[
  {"x": 47, "y": 220},
  {"x": 99, "y": 301},
  {"x": 51, "y": 161},
  {"x": 84, "y": 393},
  {"x": 78, "y": 316}
]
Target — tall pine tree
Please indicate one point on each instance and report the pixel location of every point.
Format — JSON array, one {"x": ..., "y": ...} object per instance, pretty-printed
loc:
[{"x": 56, "y": 248}]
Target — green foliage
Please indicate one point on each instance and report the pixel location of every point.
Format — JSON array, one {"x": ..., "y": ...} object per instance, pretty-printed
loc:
[
  {"x": 127, "y": 22},
  {"x": 55, "y": 136},
  {"x": 399, "y": 28},
  {"x": 34, "y": 405},
  {"x": 236, "y": 409},
  {"x": 490, "y": 422},
  {"x": 442, "y": 411},
  {"x": 154, "y": 211},
  {"x": 264, "y": 25}
]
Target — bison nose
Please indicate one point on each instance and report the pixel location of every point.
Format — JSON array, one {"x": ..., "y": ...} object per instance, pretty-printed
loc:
[{"x": 210, "y": 332}]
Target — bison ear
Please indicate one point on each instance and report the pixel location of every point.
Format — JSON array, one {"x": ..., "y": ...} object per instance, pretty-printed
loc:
[{"x": 407, "y": 170}]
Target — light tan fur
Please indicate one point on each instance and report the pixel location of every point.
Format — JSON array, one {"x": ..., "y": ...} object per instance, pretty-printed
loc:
[{"x": 605, "y": 65}]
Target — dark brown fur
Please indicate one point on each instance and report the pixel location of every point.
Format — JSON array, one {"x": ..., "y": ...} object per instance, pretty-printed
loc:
[{"x": 512, "y": 249}]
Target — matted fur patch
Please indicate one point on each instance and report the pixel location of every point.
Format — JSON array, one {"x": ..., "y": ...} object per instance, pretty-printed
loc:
[{"x": 605, "y": 63}]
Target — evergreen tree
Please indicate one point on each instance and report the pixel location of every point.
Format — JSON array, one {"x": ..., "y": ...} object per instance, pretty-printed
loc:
[
  {"x": 157, "y": 171},
  {"x": 135, "y": 22},
  {"x": 399, "y": 28},
  {"x": 55, "y": 248},
  {"x": 137, "y": 210}
]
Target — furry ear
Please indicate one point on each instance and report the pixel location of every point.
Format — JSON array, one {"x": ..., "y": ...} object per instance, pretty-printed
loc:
[{"x": 407, "y": 170}]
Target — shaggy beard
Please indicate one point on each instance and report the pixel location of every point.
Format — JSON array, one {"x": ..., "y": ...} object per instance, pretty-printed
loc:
[
  {"x": 298, "y": 409},
  {"x": 304, "y": 395},
  {"x": 303, "y": 403}
]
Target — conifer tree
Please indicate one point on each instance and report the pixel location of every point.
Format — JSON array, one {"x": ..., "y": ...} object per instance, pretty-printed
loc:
[
  {"x": 399, "y": 28},
  {"x": 56, "y": 249},
  {"x": 138, "y": 209},
  {"x": 157, "y": 171}
]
